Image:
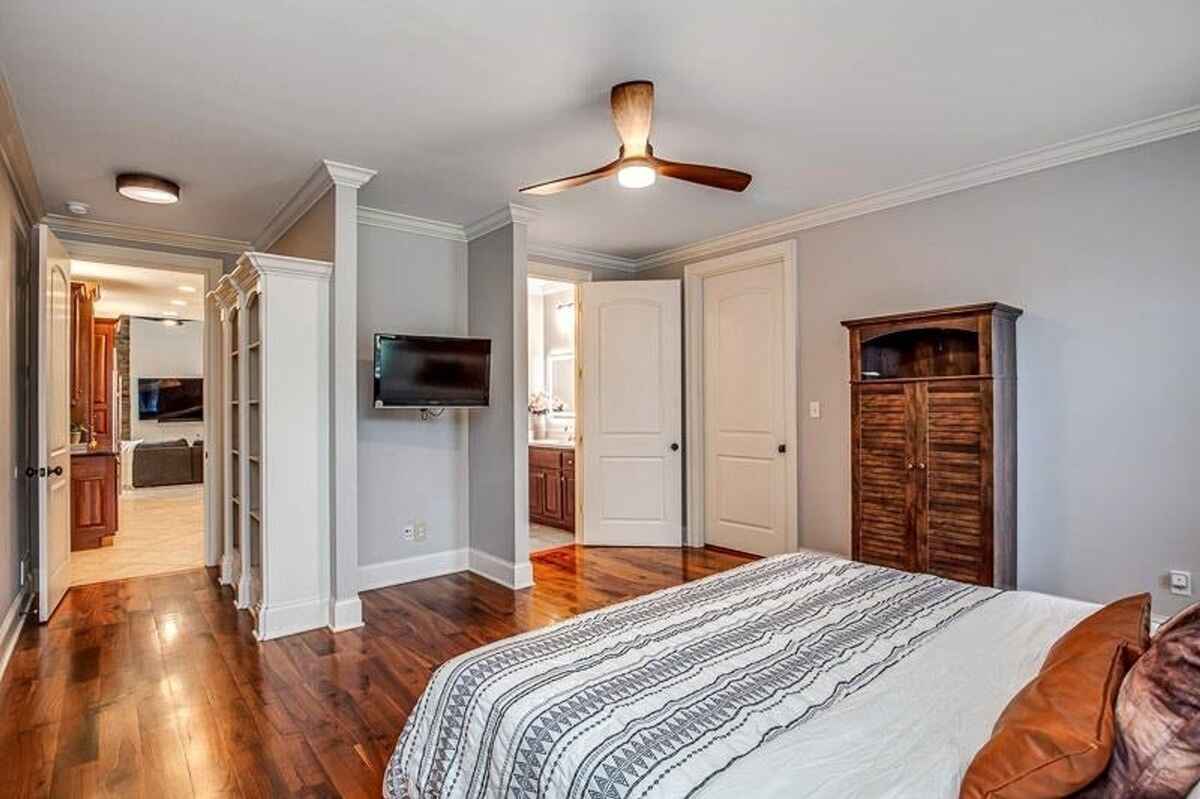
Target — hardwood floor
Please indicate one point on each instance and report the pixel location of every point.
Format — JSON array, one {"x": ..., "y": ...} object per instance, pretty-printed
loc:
[{"x": 155, "y": 686}]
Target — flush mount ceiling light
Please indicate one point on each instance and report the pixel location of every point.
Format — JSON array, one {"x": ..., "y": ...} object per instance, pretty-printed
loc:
[
  {"x": 188, "y": 289},
  {"x": 78, "y": 208},
  {"x": 147, "y": 188},
  {"x": 636, "y": 166},
  {"x": 179, "y": 302}
]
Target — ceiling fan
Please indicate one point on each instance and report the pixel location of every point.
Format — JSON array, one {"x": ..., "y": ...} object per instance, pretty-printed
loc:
[{"x": 636, "y": 166}]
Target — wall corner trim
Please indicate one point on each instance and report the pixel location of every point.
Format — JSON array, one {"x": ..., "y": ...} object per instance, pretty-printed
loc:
[
  {"x": 325, "y": 176},
  {"x": 510, "y": 575}
]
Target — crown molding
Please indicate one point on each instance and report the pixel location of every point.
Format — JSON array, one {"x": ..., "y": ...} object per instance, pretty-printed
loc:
[
  {"x": 580, "y": 257},
  {"x": 1147, "y": 131},
  {"x": 15, "y": 156},
  {"x": 348, "y": 175},
  {"x": 325, "y": 176},
  {"x": 69, "y": 225},
  {"x": 511, "y": 214},
  {"x": 271, "y": 264},
  {"x": 393, "y": 220}
]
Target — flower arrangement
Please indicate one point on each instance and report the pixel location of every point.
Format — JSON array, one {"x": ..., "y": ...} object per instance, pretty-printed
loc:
[{"x": 540, "y": 404}]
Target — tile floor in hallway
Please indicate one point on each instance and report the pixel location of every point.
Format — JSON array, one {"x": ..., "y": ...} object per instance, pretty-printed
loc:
[
  {"x": 161, "y": 531},
  {"x": 542, "y": 537}
]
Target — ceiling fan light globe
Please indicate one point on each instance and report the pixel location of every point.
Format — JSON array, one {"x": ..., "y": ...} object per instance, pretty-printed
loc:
[{"x": 636, "y": 176}]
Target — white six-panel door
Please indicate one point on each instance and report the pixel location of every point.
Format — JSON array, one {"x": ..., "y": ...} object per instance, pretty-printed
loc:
[
  {"x": 745, "y": 416},
  {"x": 53, "y": 421},
  {"x": 631, "y": 419}
]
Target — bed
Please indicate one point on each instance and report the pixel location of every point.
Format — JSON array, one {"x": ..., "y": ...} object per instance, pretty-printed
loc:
[{"x": 799, "y": 675}]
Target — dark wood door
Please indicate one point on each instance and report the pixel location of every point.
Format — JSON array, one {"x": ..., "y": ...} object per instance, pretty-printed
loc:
[
  {"x": 885, "y": 492},
  {"x": 955, "y": 470},
  {"x": 103, "y": 349}
]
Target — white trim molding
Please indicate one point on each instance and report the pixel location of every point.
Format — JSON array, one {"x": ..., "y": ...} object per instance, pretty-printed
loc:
[
  {"x": 510, "y": 575},
  {"x": 325, "y": 176},
  {"x": 693, "y": 309},
  {"x": 581, "y": 257},
  {"x": 288, "y": 618},
  {"x": 407, "y": 570},
  {"x": 1112, "y": 140},
  {"x": 270, "y": 264},
  {"x": 566, "y": 274},
  {"x": 137, "y": 234},
  {"x": 394, "y": 220},
  {"x": 11, "y": 624},
  {"x": 15, "y": 159},
  {"x": 345, "y": 614},
  {"x": 511, "y": 214}
]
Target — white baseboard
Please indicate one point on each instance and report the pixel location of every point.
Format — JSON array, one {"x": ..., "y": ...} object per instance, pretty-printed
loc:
[
  {"x": 288, "y": 618},
  {"x": 407, "y": 570},
  {"x": 345, "y": 614},
  {"x": 510, "y": 575},
  {"x": 226, "y": 577},
  {"x": 422, "y": 567},
  {"x": 10, "y": 626}
]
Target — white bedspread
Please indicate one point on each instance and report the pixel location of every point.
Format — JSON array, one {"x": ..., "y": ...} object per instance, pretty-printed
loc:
[{"x": 802, "y": 675}]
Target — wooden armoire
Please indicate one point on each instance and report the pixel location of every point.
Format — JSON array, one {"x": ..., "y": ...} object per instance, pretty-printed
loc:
[{"x": 933, "y": 431}]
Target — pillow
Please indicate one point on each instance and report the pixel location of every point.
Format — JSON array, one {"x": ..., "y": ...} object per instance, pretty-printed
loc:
[
  {"x": 1056, "y": 735},
  {"x": 1157, "y": 753}
]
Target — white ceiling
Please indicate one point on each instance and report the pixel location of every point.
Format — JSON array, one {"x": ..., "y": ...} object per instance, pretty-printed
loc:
[
  {"x": 137, "y": 291},
  {"x": 458, "y": 103}
]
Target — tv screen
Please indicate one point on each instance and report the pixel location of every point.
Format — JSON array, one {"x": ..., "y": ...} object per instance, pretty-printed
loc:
[
  {"x": 171, "y": 399},
  {"x": 431, "y": 371}
]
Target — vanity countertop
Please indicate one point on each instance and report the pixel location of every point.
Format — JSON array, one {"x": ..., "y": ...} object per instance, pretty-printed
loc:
[{"x": 552, "y": 443}]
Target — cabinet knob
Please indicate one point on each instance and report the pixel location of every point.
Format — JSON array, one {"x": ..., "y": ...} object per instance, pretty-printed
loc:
[
  {"x": 920, "y": 466},
  {"x": 908, "y": 465}
]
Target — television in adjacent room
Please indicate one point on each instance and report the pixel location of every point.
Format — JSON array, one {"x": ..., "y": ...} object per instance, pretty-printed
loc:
[
  {"x": 432, "y": 371},
  {"x": 171, "y": 399}
]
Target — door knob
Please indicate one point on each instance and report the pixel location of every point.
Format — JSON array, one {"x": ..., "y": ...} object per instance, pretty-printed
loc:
[
  {"x": 31, "y": 471},
  {"x": 674, "y": 446},
  {"x": 57, "y": 470},
  {"x": 782, "y": 448}
]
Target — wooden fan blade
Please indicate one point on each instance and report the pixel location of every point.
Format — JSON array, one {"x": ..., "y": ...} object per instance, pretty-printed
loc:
[
  {"x": 715, "y": 176},
  {"x": 632, "y": 108},
  {"x": 562, "y": 184}
]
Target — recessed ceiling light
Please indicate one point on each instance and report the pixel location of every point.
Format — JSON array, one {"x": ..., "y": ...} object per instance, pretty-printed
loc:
[
  {"x": 188, "y": 289},
  {"x": 179, "y": 302},
  {"x": 147, "y": 188},
  {"x": 170, "y": 313},
  {"x": 172, "y": 322},
  {"x": 78, "y": 208}
]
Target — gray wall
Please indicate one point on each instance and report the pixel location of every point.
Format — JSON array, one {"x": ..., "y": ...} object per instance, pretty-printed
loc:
[
  {"x": 497, "y": 296},
  {"x": 1104, "y": 256},
  {"x": 409, "y": 471}
]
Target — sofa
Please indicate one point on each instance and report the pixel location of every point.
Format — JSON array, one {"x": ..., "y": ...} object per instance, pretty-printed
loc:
[{"x": 167, "y": 463}]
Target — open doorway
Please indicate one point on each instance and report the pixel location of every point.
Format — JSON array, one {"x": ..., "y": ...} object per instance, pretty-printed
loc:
[
  {"x": 552, "y": 413},
  {"x": 137, "y": 421}
]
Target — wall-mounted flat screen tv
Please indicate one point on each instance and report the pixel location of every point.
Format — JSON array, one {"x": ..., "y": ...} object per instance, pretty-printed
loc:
[
  {"x": 431, "y": 371},
  {"x": 171, "y": 399}
]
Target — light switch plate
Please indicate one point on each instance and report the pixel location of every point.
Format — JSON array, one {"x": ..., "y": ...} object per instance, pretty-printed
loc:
[
  {"x": 1180, "y": 582},
  {"x": 814, "y": 410}
]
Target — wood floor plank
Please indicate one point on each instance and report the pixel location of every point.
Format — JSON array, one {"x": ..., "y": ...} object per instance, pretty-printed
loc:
[{"x": 156, "y": 686}]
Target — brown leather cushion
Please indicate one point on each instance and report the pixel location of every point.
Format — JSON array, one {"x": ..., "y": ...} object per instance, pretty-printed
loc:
[
  {"x": 1157, "y": 753},
  {"x": 1056, "y": 735}
]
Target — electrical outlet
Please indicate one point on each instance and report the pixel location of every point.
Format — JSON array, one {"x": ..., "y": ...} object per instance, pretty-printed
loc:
[
  {"x": 1180, "y": 582},
  {"x": 814, "y": 410},
  {"x": 410, "y": 532},
  {"x": 420, "y": 531}
]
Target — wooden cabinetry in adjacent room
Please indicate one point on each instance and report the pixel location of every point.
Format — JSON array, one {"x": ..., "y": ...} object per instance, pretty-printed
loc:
[
  {"x": 94, "y": 486},
  {"x": 552, "y": 487},
  {"x": 83, "y": 301},
  {"x": 104, "y": 336},
  {"x": 933, "y": 442}
]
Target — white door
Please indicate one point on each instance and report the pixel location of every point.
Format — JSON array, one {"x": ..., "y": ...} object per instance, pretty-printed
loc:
[
  {"x": 631, "y": 415},
  {"x": 53, "y": 270},
  {"x": 745, "y": 416}
]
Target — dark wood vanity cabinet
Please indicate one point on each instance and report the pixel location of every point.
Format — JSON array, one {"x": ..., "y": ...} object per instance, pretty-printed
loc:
[
  {"x": 552, "y": 487},
  {"x": 933, "y": 438}
]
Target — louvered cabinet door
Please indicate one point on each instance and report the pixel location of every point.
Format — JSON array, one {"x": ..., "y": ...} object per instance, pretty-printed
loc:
[
  {"x": 884, "y": 493},
  {"x": 955, "y": 533}
]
